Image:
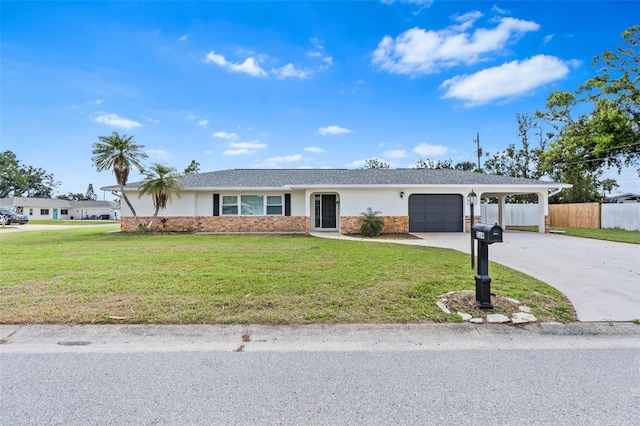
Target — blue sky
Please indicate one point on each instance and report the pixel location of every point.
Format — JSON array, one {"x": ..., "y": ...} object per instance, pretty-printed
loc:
[{"x": 288, "y": 84}]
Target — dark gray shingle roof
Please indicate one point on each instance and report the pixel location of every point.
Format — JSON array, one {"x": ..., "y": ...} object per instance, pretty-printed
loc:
[{"x": 278, "y": 178}]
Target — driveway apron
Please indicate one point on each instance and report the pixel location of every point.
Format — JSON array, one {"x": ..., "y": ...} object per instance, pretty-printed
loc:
[{"x": 600, "y": 278}]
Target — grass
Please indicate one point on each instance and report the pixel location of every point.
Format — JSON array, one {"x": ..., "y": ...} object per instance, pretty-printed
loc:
[
  {"x": 85, "y": 275},
  {"x": 619, "y": 235},
  {"x": 73, "y": 222}
]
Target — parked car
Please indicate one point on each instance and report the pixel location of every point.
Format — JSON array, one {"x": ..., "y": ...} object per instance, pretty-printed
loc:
[{"x": 13, "y": 217}]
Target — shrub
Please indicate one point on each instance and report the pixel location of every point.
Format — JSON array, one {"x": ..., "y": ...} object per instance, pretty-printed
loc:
[{"x": 371, "y": 224}]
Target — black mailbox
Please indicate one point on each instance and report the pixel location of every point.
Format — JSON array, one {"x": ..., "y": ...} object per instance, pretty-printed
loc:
[{"x": 487, "y": 233}]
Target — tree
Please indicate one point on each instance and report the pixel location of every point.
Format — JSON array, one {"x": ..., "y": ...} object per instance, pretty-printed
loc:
[
  {"x": 608, "y": 135},
  {"x": 192, "y": 168},
  {"x": 160, "y": 182},
  {"x": 90, "y": 195},
  {"x": 19, "y": 180},
  {"x": 72, "y": 197},
  {"x": 371, "y": 224},
  {"x": 433, "y": 164},
  {"x": 374, "y": 163},
  {"x": 466, "y": 166},
  {"x": 119, "y": 154},
  {"x": 608, "y": 185}
]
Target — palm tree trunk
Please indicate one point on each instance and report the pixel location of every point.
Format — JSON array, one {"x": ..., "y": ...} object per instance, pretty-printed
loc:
[
  {"x": 126, "y": 200},
  {"x": 155, "y": 214}
]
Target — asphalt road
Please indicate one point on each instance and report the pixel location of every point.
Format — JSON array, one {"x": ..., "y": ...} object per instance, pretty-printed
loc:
[{"x": 420, "y": 374}]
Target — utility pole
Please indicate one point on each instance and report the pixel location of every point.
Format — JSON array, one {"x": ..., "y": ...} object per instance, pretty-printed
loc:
[{"x": 479, "y": 149}]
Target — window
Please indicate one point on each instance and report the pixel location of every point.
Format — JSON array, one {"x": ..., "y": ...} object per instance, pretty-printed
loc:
[
  {"x": 64, "y": 211},
  {"x": 252, "y": 205},
  {"x": 44, "y": 212},
  {"x": 274, "y": 205},
  {"x": 229, "y": 205},
  {"x": 30, "y": 212}
]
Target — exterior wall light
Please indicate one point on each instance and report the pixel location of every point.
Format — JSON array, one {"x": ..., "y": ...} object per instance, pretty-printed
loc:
[{"x": 401, "y": 194}]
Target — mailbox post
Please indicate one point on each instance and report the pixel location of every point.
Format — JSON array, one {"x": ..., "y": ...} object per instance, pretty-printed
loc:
[{"x": 485, "y": 234}]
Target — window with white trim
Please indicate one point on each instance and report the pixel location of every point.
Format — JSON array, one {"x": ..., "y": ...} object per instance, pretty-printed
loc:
[
  {"x": 229, "y": 205},
  {"x": 252, "y": 205}
]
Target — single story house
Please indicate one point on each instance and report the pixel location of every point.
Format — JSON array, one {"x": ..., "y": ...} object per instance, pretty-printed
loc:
[
  {"x": 309, "y": 200},
  {"x": 627, "y": 197},
  {"x": 56, "y": 209}
]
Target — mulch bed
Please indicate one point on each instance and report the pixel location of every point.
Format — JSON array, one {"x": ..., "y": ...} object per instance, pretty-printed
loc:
[{"x": 465, "y": 301}]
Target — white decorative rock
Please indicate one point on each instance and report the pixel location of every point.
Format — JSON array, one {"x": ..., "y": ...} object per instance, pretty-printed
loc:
[
  {"x": 497, "y": 318},
  {"x": 517, "y": 302},
  {"x": 476, "y": 320},
  {"x": 525, "y": 309},
  {"x": 522, "y": 317},
  {"x": 465, "y": 317},
  {"x": 444, "y": 308}
]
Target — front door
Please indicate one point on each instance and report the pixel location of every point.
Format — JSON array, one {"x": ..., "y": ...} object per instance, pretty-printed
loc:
[
  {"x": 325, "y": 211},
  {"x": 55, "y": 214}
]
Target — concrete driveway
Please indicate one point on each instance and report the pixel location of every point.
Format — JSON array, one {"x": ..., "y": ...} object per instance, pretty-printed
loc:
[{"x": 600, "y": 278}]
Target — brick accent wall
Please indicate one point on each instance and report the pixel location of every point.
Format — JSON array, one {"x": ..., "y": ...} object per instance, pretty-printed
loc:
[
  {"x": 230, "y": 224},
  {"x": 392, "y": 224},
  {"x": 547, "y": 224},
  {"x": 467, "y": 225}
]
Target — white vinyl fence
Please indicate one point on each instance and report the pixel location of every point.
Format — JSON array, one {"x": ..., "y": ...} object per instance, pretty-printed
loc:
[
  {"x": 612, "y": 216},
  {"x": 515, "y": 214},
  {"x": 621, "y": 216}
]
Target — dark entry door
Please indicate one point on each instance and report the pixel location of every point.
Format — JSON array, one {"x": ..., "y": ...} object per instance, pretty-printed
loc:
[
  {"x": 325, "y": 211},
  {"x": 329, "y": 211},
  {"x": 435, "y": 213}
]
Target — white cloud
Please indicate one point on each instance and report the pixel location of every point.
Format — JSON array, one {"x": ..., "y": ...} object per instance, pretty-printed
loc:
[
  {"x": 416, "y": 2},
  {"x": 499, "y": 10},
  {"x": 225, "y": 135},
  {"x": 96, "y": 102},
  {"x": 184, "y": 37},
  {"x": 151, "y": 120},
  {"x": 249, "y": 66},
  {"x": 290, "y": 70},
  {"x": 332, "y": 130},
  {"x": 546, "y": 39},
  {"x": 314, "y": 149},
  {"x": 248, "y": 145},
  {"x": 275, "y": 161},
  {"x": 237, "y": 151},
  {"x": 240, "y": 148},
  {"x": 202, "y": 123},
  {"x": 160, "y": 152},
  {"x": 395, "y": 153},
  {"x": 505, "y": 81},
  {"x": 420, "y": 51},
  {"x": 116, "y": 121},
  {"x": 356, "y": 164},
  {"x": 427, "y": 150}
]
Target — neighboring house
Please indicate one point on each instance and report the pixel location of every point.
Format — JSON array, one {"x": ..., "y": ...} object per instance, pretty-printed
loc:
[
  {"x": 47, "y": 208},
  {"x": 306, "y": 200},
  {"x": 627, "y": 197}
]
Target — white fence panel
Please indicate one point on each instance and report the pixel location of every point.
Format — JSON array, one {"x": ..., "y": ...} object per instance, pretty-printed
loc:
[
  {"x": 621, "y": 216},
  {"x": 515, "y": 214}
]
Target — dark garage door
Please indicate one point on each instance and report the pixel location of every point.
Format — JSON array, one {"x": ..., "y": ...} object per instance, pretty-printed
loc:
[{"x": 435, "y": 213}]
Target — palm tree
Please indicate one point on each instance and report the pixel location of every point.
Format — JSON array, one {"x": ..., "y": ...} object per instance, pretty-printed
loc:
[
  {"x": 120, "y": 154},
  {"x": 160, "y": 182}
]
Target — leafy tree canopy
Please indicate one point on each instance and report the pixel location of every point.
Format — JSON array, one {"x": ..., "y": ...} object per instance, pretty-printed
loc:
[{"x": 19, "y": 180}]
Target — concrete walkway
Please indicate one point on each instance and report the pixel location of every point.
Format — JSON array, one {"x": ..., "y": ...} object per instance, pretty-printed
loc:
[{"x": 600, "y": 278}]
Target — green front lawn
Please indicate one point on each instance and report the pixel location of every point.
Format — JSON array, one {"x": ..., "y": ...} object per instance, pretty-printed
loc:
[
  {"x": 618, "y": 235},
  {"x": 85, "y": 275},
  {"x": 73, "y": 222}
]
